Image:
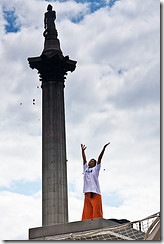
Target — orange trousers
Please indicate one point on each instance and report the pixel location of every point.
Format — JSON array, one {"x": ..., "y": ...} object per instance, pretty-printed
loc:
[{"x": 92, "y": 206}]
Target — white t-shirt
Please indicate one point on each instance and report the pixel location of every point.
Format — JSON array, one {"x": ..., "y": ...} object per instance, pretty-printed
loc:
[{"x": 91, "y": 183}]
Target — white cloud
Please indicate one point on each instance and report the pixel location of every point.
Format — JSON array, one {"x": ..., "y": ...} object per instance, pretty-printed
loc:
[
  {"x": 20, "y": 157},
  {"x": 19, "y": 213},
  {"x": 113, "y": 95}
]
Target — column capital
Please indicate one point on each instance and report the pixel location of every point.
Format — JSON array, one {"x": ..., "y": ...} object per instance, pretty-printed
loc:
[{"x": 52, "y": 66}]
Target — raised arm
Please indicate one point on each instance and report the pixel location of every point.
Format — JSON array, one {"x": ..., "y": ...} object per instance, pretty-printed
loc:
[
  {"x": 83, "y": 147},
  {"x": 102, "y": 153}
]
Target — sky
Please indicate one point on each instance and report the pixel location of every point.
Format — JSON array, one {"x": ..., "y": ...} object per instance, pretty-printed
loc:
[{"x": 112, "y": 96}]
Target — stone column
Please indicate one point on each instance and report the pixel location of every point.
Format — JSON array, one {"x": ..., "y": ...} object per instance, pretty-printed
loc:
[
  {"x": 54, "y": 169},
  {"x": 52, "y": 67}
]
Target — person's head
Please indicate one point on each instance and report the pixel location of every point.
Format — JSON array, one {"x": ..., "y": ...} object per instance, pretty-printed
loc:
[
  {"x": 92, "y": 163},
  {"x": 49, "y": 8}
]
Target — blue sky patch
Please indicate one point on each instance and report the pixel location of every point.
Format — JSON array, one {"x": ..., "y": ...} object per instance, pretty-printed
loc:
[
  {"x": 112, "y": 2},
  {"x": 114, "y": 200},
  {"x": 11, "y": 18},
  {"x": 24, "y": 187},
  {"x": 94, "y": 4}
]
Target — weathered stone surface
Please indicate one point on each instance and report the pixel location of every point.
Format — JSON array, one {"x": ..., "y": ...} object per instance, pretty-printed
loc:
[{"x": 70, "y": 227}]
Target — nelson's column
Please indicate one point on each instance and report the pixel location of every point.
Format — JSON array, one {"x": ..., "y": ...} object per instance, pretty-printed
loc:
[{"x": 52, "y": 67}]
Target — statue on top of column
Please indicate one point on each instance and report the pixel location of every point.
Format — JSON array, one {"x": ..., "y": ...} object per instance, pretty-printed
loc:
[{"x": 49, "y": 22}]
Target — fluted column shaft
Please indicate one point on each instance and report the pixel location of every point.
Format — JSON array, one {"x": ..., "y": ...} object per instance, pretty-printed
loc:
[{"x": 54, "y": 170}]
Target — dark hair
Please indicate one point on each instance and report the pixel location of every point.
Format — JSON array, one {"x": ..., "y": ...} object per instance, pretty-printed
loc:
[{"x": 93, "y": 160}]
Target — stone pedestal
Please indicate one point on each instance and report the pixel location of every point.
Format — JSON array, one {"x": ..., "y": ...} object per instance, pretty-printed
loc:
[{"x": 41, "y": 233}]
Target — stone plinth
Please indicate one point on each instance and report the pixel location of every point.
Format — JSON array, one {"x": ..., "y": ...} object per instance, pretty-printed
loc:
[{"x": 39, "y": 233}]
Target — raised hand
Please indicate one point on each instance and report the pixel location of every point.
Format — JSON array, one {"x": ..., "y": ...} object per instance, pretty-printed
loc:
[
  {"x": 83, "y": 147},
  {"x": 106, "y": 145},
  {"x": 102, "y": 153}
]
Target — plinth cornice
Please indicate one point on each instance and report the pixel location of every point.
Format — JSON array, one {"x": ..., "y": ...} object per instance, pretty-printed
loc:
[{"x": 52, "y": 66}]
